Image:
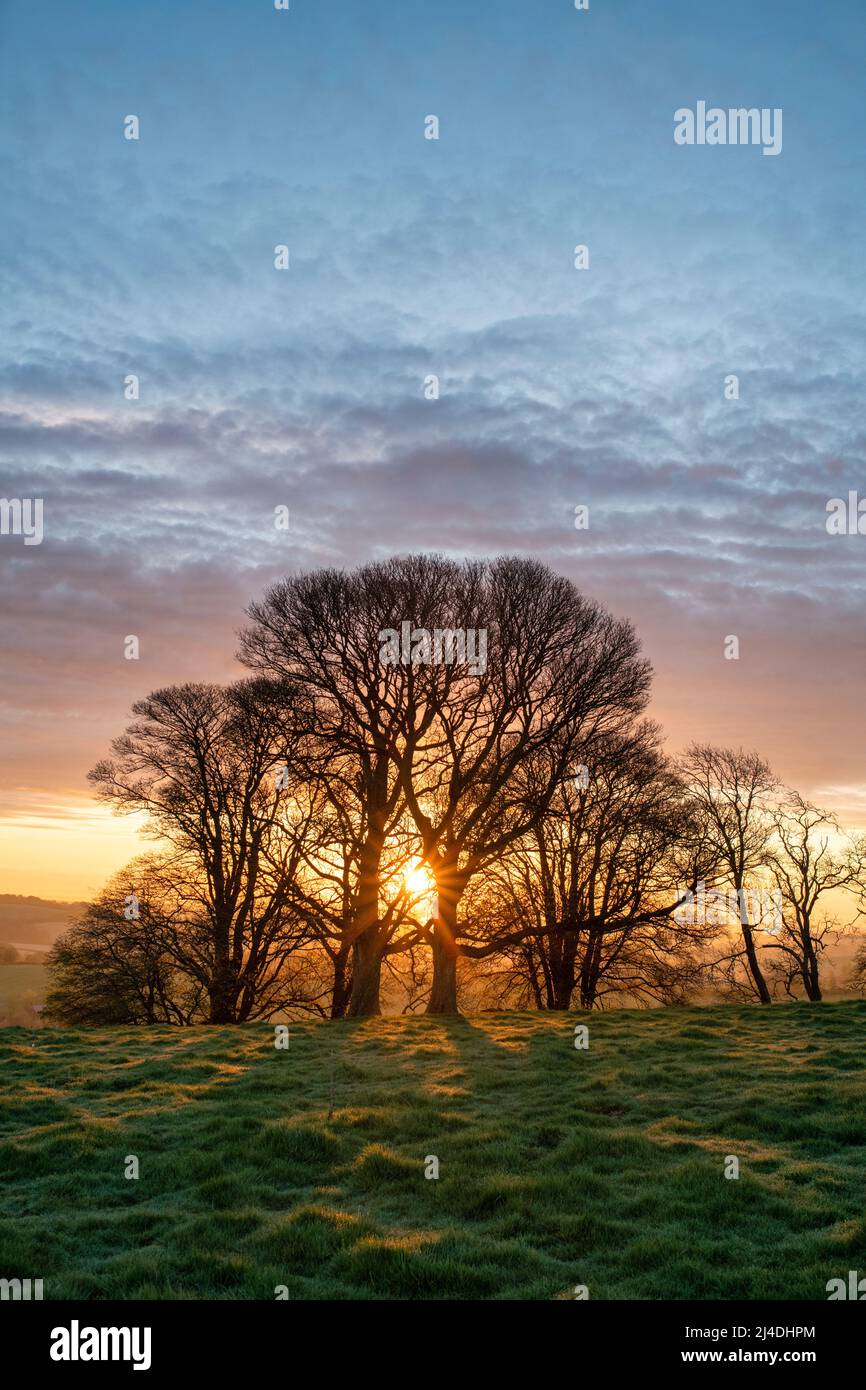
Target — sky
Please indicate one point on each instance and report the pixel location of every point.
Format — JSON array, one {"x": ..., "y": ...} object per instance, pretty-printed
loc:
[{"x": 410, "y": 257}]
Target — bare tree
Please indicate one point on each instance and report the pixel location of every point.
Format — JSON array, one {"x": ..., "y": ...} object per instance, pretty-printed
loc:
[
  {"x": 328, "y": 820},
  {"x": 321, "y": 631},
  {"x": 206, "y": 765},
  {"x": 805, "y": 866},
  {"x": 441, "y": 736},
  {"x": 116, "y": 963},
  {"x": 485, "y": 749},
  {"x": 732, "y": 792},
  {"x": 602, "y": 877}
]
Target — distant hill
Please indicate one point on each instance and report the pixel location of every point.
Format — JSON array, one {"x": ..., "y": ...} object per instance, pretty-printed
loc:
[{"x": 33, "y": 924}]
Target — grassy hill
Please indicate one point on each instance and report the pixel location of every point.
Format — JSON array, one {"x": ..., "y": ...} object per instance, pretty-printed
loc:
[{"x": 558, "y": 1167}]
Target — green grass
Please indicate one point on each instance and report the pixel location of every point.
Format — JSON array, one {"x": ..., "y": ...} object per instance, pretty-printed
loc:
[{"x": 557, "y": 1167}]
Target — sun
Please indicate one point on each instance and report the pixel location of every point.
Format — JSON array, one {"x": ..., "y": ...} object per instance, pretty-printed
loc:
[{"x": 418, "y": 879}]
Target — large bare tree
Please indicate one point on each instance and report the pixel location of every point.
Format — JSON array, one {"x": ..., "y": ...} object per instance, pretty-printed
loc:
[
  {"x": 321, "y": 631},
  {"x": 484, "y": 750},
  {"x": 206, "y": 765},
  {"x": 423, "y": 719}
]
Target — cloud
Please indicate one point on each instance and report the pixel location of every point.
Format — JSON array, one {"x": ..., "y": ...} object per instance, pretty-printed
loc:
[{"x": 557, "y": 387}]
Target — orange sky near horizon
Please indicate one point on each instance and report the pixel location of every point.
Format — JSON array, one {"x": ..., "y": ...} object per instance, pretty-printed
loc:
[{"x": 66, "y": 849}]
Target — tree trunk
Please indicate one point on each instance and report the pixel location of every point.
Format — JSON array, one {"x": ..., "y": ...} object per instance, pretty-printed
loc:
[
  {"x": 563, "y": 974},
  {"x": 222, "y": 993},
  {"x": 811, "y": 979},
  {"x": 443, "y": 994},
  {"x": 368, "y": 943},
  {"x": 562, "y": 992},
  {"x": 366, "y": 974},
  {"x": 754, "y": 967},
  {"x": 342, "y": 988},
  {"x": 590, "y": 970}
]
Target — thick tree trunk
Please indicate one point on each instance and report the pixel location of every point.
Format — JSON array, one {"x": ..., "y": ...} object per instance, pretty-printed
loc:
[
  {"x": 562, "y": 971},
  {"x": 342, "y": 988},
  {"x": 562, "y": 992},
  {"x": 222, "y": 993},
  {"x": 443, "y": 994},
  {"x": 368, "y": 942},
  {"x": 366, "y": 974}
]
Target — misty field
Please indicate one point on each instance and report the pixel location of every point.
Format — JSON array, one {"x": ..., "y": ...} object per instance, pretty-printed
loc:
[
  {"x": 558, "y": 1167},
  {"x": 21, "y": 987}
]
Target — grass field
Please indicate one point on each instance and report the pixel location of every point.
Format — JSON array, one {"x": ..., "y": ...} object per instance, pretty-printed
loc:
[
  {"x": 558, "y": 1167},
  {"x": 21, "y": 986}
]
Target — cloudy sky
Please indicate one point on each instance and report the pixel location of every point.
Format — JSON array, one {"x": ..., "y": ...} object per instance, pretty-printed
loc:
[{"x": 410, "y": 257}]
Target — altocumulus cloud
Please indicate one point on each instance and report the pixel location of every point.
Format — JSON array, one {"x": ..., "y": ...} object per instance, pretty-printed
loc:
[{"x": 557, "y": 387}]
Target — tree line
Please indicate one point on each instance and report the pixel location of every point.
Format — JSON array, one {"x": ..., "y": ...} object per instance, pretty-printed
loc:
[{"x": 363, "y": 814}]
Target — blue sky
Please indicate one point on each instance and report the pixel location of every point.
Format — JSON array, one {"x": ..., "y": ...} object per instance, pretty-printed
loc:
[{"x": 411, "y": 257}]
